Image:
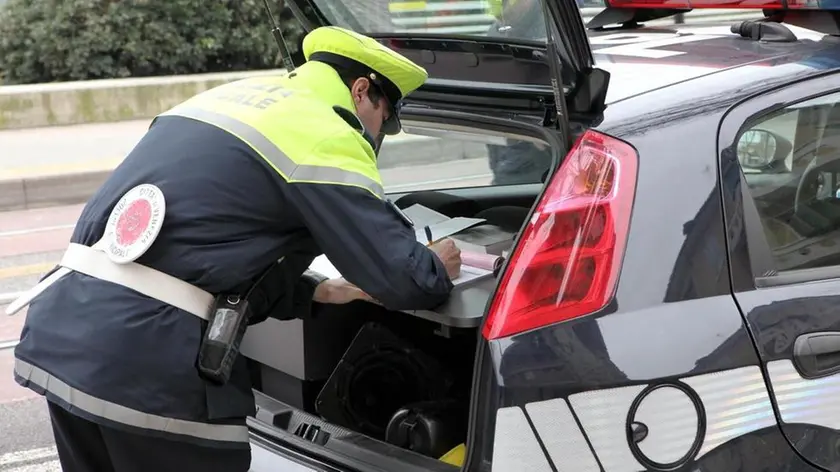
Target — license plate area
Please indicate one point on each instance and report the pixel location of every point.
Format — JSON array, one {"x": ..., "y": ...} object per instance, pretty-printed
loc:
[{"x": 269, "y": 460}]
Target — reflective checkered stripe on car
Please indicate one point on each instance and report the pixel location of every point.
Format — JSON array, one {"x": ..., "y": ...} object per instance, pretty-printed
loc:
[{"x": 676, "y": 421}]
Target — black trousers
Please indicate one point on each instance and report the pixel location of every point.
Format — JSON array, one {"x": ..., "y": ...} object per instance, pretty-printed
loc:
[{"x": 84, "y": 446}]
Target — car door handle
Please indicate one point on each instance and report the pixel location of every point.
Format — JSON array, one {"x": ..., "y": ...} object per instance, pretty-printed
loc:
[{"x": 817, "y": 355}]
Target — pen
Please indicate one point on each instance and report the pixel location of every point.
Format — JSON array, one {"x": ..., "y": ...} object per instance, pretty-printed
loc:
[{"x": 428, "y": 235}]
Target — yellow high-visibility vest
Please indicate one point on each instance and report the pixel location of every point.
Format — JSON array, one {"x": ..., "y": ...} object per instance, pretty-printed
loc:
[{"x": 289, "y": 121}]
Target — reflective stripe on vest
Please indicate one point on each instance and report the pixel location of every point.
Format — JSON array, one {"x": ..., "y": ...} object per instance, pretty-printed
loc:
[
  {"x": 290, "y": 121},
  {"x": 287, "y": 168},
  {"x": 127, "y": 416}
]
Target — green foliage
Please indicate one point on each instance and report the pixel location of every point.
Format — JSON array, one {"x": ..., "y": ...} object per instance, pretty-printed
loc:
[{"x": 61, "y": 40}]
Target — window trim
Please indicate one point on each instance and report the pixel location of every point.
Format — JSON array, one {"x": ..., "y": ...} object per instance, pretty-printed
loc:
[
  {"x": 799, "y": 276},
  {"x": 760, "y": 252},
  {"x": 735, "y": 122}
]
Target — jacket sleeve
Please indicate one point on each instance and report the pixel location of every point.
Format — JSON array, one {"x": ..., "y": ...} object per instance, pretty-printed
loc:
[
  {"x": 286, "y": 292},
  {"x": 370, "y": 245}
]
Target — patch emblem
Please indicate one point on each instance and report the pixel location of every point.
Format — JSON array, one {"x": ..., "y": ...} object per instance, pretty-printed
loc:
[{"x": 134, "y": 223}]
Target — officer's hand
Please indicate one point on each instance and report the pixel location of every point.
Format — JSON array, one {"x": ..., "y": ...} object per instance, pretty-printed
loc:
[
  {"x": 338, "y": 292},
  {"x": 450, "y": 255}
]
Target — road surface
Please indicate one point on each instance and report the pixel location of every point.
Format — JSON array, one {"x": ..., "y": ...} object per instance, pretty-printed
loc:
[{"x": 30, "y": 243}]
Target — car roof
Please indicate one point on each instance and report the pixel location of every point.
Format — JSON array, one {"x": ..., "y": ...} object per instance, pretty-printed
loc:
[{"x": 645, "y": 59}]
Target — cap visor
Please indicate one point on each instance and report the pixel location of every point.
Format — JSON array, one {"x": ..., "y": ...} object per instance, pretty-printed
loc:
[{"x": 392, "y": 125}]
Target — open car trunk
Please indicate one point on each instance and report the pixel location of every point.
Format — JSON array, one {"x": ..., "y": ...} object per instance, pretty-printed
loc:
[
  {"x": 373, "y": 389},
  {"x": 363, "y": 388}
]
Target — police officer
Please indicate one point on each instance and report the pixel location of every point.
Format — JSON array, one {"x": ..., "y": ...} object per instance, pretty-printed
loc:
[
  {"x": 230, "y": 194},
  {"x": 520, "y": 19}
]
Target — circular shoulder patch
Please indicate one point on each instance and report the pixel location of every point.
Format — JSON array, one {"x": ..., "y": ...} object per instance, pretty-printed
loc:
[{"x": 134, "y": 223}]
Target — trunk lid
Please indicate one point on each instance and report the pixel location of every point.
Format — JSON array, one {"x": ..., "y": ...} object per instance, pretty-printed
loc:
[{"x": 480, "y": 54}]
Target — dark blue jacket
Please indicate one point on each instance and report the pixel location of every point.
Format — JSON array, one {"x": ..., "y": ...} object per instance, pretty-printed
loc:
[{"x": 119, "y": 358}]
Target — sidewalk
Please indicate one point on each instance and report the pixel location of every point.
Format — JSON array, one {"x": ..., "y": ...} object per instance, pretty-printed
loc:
[
  {"x": 39, "y": 152},
  {"x": 61, "y": 165}
]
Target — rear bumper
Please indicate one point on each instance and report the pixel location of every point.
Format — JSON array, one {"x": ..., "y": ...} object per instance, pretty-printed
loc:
[{"x": 269, "y": 456}]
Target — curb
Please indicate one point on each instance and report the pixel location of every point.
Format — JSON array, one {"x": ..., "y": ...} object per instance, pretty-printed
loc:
[
  {"x": 54, "y": 190},
  {"x": 26, "y": 193}
]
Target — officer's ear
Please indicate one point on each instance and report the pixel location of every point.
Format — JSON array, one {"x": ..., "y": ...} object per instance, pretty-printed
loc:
[
  {"x": 360, "y": 89},
  {"x": 356, "y": 91}
]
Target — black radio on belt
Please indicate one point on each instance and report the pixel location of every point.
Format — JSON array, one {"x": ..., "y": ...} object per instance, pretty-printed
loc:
[
  {"x": 221, "y": 341},
  {"x": 220, "y": 344}
]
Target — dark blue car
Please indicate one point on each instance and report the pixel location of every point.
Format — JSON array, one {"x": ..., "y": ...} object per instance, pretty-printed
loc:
[{"x": 667, "y": 295}]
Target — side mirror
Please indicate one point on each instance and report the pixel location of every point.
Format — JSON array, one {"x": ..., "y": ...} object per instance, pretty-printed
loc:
[{"x": 759, "y": 149}]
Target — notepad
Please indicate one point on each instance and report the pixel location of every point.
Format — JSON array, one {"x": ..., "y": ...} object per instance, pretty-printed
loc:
[
  {"x": 441, "y": 225},
  {"x": 470, "y": 274}
]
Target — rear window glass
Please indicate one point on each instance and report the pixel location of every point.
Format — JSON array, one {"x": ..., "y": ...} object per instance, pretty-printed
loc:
[
  {"x": 512, "y": 19},
  {"x": 432, "y": 157}
]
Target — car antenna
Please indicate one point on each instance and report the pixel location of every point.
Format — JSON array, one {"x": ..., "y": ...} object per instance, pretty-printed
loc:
[{"x": 281, "y": 42}]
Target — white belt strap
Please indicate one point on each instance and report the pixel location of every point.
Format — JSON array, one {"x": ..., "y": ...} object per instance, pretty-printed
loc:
[
  {"x": 132, "y": 227},
  {"x": 94, "y": 262},
  {"x": 148, "y": 281}
]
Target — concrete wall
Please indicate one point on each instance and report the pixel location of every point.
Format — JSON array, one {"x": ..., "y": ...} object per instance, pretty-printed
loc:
[{"x": 100, "y": 101}]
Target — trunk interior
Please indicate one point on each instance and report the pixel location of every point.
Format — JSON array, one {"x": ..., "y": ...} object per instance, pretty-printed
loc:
[
  {"x": 396, "y": 362},
  {"x": 372, "y": 389}
]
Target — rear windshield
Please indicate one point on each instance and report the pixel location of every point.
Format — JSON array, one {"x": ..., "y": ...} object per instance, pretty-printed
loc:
[
  {"x": 429, "y": 156},
  {"x": 521, "y": 20}
]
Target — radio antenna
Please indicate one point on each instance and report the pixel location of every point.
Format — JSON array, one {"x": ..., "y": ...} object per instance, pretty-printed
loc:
[{"x": 281, "y": 42}]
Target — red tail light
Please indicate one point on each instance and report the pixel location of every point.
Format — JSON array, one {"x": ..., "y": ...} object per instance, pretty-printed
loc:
[{"x": 568, "y": 259}]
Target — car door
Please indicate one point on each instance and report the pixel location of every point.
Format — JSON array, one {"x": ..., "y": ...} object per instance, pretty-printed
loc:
[{"x": 780, "y": 165}]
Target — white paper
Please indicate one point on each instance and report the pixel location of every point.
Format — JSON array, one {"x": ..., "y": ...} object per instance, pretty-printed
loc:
[
  {"x": 470, "y": 274},
  {"x": 446, "y": 228},
  {"x": 323, "y": 266},
  {"x": 422, "y": 216},
  {"x": 441, "y": 226}
]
